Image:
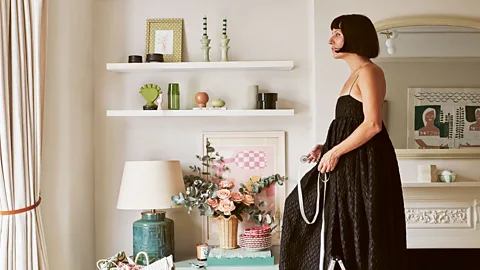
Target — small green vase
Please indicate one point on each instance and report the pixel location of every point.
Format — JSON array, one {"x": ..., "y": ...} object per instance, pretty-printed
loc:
[
  {"x": 173, "y": 96},
  {"x": 154, "y": 235}
]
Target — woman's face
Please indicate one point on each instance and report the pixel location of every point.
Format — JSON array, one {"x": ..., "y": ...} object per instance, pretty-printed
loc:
[
  {"x": 430, "y": 117},
  {"x": 336, "y": 42},
  {"x": 477, "y": 115}
]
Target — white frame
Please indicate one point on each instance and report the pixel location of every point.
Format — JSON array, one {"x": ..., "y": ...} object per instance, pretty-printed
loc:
[
  {"x": 280, "y": 191},
  {"x": 411, "y": 113}
]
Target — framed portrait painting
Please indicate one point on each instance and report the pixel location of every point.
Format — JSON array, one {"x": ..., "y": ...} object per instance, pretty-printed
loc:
[
  {"x": 164, "y": 36},
  {"x": 443, "y": 118},
  {"x": 250, "y": 155}
]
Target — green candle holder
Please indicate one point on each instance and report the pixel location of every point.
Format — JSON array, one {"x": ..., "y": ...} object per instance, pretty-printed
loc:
[{"x": 150, "y": 93}]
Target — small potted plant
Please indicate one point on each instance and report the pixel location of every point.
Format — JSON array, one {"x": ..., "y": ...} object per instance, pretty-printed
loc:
[{"x": 215, "y": 197}]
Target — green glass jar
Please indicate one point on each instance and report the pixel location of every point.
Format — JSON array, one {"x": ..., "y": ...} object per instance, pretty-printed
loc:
[{"x": 173, "y": 96}]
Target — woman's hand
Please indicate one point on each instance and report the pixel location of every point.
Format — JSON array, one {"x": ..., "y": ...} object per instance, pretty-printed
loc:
[
  {"x": 314, "y": 155},
  {"x": 329, "y": 161}
]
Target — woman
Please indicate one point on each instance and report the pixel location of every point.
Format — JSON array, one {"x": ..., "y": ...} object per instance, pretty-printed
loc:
[
  {"x": 363, "y": 211},
  {"x": 429, "y": 128}
]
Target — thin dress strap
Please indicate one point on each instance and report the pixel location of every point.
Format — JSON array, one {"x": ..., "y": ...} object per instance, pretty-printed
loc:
[{"x": 353, "y": 84}]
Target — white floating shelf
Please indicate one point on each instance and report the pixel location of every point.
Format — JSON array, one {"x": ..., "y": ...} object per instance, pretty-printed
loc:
[
  {"x": 441, "y": 185},
  {"x": 197, "y": 66},
  {"x": 465, "y": 153},
  {"x": 196, "y": 113}
]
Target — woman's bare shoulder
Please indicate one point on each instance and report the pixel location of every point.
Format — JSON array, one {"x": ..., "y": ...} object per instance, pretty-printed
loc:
[
  {"x": 372, "y": 70},
  {"x": 372, "y": 79}
]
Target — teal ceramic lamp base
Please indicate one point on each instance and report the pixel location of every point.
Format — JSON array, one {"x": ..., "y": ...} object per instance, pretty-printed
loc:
[{"x": 154, "y": 235}]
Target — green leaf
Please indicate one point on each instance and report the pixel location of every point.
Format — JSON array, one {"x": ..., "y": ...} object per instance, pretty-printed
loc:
[
  {"x": 210, "y": 149},
  {"x": 239, "y": 217},
  {"x": 208, "y": 211},
  {"x": 262, "y": 204},
  {"x": 268, "y": 219}
]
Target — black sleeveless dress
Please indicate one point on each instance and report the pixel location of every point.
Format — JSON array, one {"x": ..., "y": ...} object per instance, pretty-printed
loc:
[{"x": 364, "y": 209}]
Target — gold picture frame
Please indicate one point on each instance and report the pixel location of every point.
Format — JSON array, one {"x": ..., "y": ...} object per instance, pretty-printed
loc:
[{"x": 165, "y": 36}]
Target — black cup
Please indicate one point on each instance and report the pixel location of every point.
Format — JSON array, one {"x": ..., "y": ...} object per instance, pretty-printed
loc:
[
  {"x": 154, "y": 57},
  {"x": 134, "y": 59}
]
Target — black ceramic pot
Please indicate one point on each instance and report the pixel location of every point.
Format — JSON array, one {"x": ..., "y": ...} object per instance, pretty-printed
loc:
[
  {"x": 154, "y": 57},
  {"x": 134, "y": 59},
  {"x": 267, "y": 100}
]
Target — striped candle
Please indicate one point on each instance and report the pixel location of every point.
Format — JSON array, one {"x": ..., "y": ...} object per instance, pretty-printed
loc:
[
  {"x": 224, "y": 31},
  {"x": 204, "y": 25}
]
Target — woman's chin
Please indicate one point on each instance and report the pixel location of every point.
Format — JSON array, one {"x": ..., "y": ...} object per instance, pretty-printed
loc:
[{"x": 337, "y": 55}]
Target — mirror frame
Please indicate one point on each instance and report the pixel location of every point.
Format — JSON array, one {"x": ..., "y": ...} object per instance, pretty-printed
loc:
[
  {"x": 432, "y": 20},
  {"x": 427, "y": 20}
]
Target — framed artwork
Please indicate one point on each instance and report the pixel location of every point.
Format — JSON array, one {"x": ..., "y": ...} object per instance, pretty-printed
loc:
[
  {"x": 443, "y": 118},
  {"x": 250, "y": 155},
  {"x": 165, "y": 36}
]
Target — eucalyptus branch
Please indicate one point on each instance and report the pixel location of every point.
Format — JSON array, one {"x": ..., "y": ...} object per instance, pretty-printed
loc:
[{"x": 203, "y": 194}]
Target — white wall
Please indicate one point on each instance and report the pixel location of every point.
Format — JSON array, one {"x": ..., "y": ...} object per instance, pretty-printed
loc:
[
  {"x": 265, "y": 30},
  {"x": 67, "y": 180},
  {"x": 330, "y": 75}
]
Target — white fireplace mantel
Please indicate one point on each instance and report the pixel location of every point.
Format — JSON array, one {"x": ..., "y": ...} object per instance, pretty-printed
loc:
[{"x": 442, "y": 215}]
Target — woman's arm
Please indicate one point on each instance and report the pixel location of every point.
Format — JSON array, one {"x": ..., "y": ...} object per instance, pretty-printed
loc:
[{"x": 373, "y": 88}]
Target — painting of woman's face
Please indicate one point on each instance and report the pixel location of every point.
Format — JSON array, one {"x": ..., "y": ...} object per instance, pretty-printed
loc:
[
  {"x": 430, "y": 116},
  {"x": 477, "y": 115}
]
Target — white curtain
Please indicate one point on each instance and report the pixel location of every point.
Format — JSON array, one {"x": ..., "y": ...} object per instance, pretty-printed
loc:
[{"x": 22, "y": 80}]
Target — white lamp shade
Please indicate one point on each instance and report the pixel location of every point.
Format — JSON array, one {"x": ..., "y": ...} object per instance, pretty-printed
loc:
[{"x": 148, "y": 185}]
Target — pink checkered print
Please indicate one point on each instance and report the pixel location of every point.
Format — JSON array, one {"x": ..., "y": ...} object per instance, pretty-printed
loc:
[{"x": 251, "y": 160}]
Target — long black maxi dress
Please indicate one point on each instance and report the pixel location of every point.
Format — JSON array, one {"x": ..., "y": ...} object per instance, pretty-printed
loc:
[{"x": 364, "y": 209}]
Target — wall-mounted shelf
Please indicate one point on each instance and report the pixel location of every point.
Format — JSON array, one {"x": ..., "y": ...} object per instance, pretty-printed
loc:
[
  {"x": 442, "y": 185},
  {"x": 438, "y": 153},
  {"x": 201, "y": 113},
  {"x": 198, "y": 66}
]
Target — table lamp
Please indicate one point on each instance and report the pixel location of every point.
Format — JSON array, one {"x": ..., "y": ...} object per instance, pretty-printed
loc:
[{"x": 149, "y": 185}]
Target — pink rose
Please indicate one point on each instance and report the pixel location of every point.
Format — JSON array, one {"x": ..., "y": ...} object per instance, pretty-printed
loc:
[
  {"x": 223, "y": 194},
  {"x": 248, "y": 199},
  {"x": 236, "y": 196},
  {"x": 213, "y": 203},
  {"x": 226, "y": 184},
  {"x": 226, "y": 206}
]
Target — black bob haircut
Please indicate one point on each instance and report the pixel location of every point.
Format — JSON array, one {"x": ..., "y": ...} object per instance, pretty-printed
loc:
[{"x": 359, "y": 34}]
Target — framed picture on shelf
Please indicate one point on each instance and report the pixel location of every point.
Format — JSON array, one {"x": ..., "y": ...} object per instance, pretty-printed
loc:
[
  {"x": 164, "y": 36},
  {"x": 250, "y": 155}
]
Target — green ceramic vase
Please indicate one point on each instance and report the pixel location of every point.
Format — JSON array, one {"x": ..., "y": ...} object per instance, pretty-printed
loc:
[{"x": 154, "y": 235}]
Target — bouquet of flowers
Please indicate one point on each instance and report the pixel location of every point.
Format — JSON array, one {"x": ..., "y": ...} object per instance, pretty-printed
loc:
[{"x": 209, "y": 192}]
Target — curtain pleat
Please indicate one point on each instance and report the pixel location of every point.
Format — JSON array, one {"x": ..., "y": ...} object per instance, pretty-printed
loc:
[{"x": 22, "y": 80}]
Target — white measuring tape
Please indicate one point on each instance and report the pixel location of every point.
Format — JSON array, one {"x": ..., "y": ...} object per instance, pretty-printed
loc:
[{"x": 334, "y": 261}]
